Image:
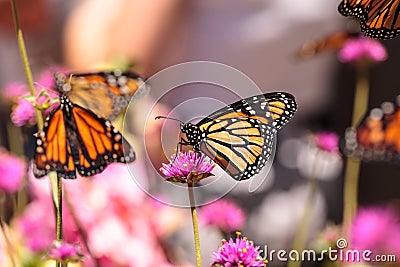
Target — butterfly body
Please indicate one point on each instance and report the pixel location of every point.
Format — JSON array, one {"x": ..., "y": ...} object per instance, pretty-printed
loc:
[
  {"x": 378, "y": 18},
  {"x": 240, "y": 136},
  {"x": 75, "y": 138},
  {"x": 377, "y": 137}
]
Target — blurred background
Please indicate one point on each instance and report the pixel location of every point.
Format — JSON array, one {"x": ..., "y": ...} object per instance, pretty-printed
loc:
[{"x": 259, "y": 38}]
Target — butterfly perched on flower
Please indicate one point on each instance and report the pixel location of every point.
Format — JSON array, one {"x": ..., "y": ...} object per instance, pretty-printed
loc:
[
  {"x": 378, "y": 18},
  {"x": 240, "y": 136},
  {"x": 78, "y": 135},
  {"x": 377, "y": 137}
]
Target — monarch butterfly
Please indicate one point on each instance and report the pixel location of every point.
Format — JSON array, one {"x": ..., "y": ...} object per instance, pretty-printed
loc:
[
  {"x": 331, "y": 43},
  {"x": 239, "y": 137},
  {"x": 75, "y": 136},
  {"x": 378, "y": 135},
  {"x": 378, "y": 18},
  {"x": 104, "y": 93}
]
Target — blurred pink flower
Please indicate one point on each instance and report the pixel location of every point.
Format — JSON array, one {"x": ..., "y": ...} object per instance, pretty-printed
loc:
[
  {"x": 14, "y": 90},
  {"x": 12, "y": 171},
  {"x": 224, "y": 214},
  {"x": 122, "y": 226},
  {"x": 241, "y": 252},
  {"x": 187, "y": 165},
  {"x": 23, "y": 113},
  {"x": 327, "y": 141},
  {"x": 46, "y": 78},
  {"x": 362, "y": 49},
  {"x": 376, "y": 229},
  {"x": 65, "y": 252}
]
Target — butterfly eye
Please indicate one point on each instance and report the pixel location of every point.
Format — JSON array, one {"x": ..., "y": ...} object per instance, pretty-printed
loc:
[{"x": 66, "y": 87}]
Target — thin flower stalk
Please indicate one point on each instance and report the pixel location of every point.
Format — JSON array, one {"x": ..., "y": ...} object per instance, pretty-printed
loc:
[
  {"x": 193, "y": 212},
  {"x": 300, "y": 238},
  {"x": 352, "y": 164},
  {"x": 189, "y": 167},
  {"x": 55, "y": 181}
]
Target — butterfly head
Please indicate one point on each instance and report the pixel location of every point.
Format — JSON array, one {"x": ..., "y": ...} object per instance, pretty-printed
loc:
[
  {"x": 192, "y": 132},
  {"x": 61, "y": 84}
]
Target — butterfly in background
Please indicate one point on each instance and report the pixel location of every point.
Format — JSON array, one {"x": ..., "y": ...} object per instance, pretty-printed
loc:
[
  {"x": 78, "y": 135},
  {"x": 331, "y": 43},
  {"x": 104, "y": 93},
  {"x": 239, "y": 137},
  {"x": 378, "y": 18},
  {"x": 377, "y": 137}
]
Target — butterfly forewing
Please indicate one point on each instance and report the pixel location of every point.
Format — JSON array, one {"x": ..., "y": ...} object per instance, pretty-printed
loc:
[{"x": 53, "y": 152}]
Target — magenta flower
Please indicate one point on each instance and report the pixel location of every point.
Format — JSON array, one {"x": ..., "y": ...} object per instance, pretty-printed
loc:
[
  {"x": 12, "y": 171},
  {"x": 239, "y": 253},
  {"x": 362, "y": 49},
  {"x": 65, "y": 252},
  {"x": 190, "y": 166},
  {"x": 23, "y": 113},
  {"x": 376, "y": 229},
  {"x": 224, "y": 214},
  {"x": 327, "y": 141},
  {"x": 14, "y": 90}
]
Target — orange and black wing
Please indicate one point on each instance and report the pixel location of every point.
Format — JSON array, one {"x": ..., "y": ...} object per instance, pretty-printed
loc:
[
  {"x": 53, "y": 151},
  {"x": 240, "y": 137},
  {"x": 99, "y": 143},
  {"x": 104, "y": 93},
  {"x": 75, "y": 138},
  {"x": 378, "y": 18},
  {"x": 377, "y": 138},
  {"x": 331, "y": 43}
]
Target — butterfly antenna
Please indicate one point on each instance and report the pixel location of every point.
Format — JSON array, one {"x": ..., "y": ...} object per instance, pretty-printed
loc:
[{"x": 167, "y": 118}]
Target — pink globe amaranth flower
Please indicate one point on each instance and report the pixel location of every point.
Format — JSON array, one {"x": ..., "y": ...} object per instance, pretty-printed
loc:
[
  {"x": 65, "y": 252},
  {"x": 14, "y": 90},
  {"x": 12, "y": 171},
  {"x": 188, "y": 166},
  {"x": 376, "y": 229},
  {"x": 224, "y": 214},
  {"x": 362, "y": 49},
  {"x": 327, "y": 141},
  {"x": 239, "y": 253},
  {"x": 23, "y": 113},
  {"x": 46, "y": 78}
]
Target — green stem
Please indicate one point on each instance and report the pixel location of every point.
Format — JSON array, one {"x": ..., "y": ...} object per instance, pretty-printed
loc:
[
  {"x": 25, "y": 61},
  {"x": 10, "y": 250},
  {"x": 56, "y": 189},
  {"x": 300, "y": 239},
  {"x": 353, "y": 165},
  {"x": 55, "y": 181},
  {"x": 195, "y": 224},
  {"x": 80, "y": 227}
]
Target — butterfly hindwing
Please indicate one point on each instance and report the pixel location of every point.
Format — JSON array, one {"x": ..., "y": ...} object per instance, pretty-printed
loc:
[
  {"x": 104, "y": 93},
  {"x": 99, "y": 143},
  {"x": 240, "y": 148}
]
